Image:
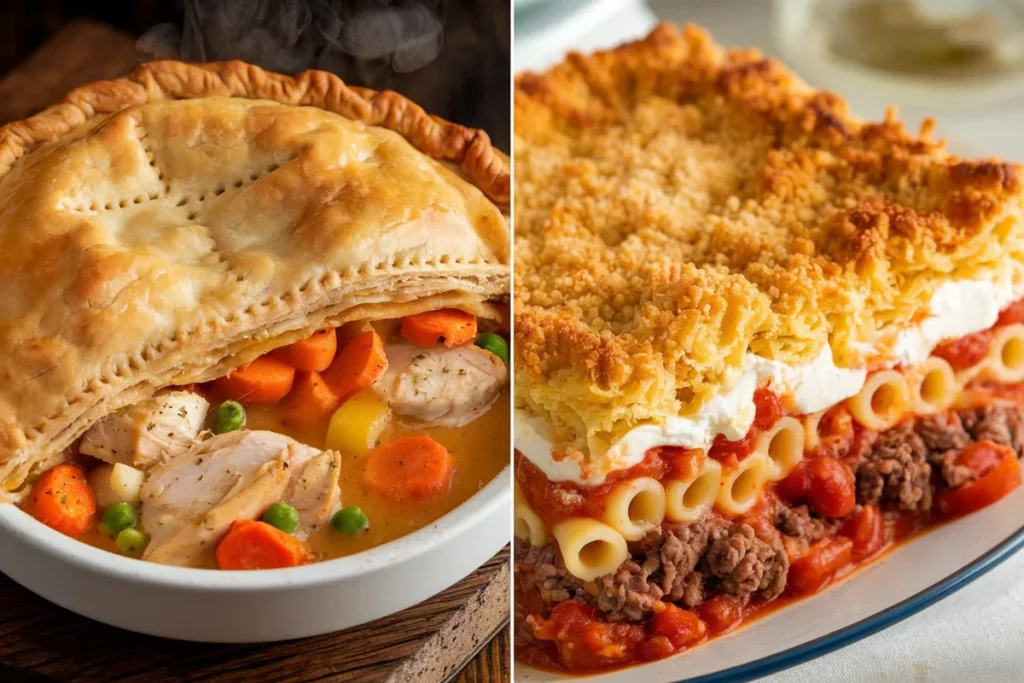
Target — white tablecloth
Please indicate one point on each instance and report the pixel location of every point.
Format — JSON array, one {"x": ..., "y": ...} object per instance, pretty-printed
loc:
[{"x": 977, "y": 634}]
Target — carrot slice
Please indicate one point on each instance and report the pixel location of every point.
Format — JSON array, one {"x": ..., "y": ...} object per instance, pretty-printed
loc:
[
  {"x": 449, "y": 326},
  {"x": 409, "y": 468},
  {"x": 350, "y": 330},
  {"x": 62, "y": 499},
  {"x": 257, "y": 545},
  {"x": 361, "y": 363},
  {"x": 310, "y": 401},
  {"x": 312, "y": 354},
  {"x": 265, "y": 380}
]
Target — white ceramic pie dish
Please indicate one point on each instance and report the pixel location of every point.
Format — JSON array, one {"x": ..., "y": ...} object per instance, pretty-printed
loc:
[
  {"x": 904, "y": 582},
  {"x": 244, "y": 607}
]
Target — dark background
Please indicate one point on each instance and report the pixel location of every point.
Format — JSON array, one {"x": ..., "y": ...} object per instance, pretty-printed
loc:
[
  {"x": 48, "y": 47},
  {"x": 451, "y": 56}
]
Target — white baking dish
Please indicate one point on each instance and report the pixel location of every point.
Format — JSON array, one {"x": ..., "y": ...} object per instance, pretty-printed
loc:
[{"x": 242, "y": 607}]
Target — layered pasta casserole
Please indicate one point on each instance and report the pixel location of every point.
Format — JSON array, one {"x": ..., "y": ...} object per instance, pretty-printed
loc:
[{"x": 758, "y": 342}]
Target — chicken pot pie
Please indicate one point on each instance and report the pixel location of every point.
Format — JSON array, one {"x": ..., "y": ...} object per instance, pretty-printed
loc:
[
  {"x": 249, "y": 320},
  {"x": 758, "y": 342}
]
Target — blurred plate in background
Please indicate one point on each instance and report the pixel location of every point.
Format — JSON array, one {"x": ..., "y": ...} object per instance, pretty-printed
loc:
[
  {"x": 548, "y": 30},
  {"x": 523, "y": 4}
]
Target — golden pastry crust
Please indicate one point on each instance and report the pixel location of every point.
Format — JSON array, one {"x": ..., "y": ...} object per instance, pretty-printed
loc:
[
  {"x": 163, "y": 228},
  {"x": 678, "y": 205}
]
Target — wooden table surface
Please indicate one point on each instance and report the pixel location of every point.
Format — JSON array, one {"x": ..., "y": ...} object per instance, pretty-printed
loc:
[{"x": 42, "y": 642}]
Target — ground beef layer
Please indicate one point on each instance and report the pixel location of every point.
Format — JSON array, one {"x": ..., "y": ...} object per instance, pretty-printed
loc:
[
  {"x": 903, "y": 466},
  {"x": 898, "y": 470},
  {"x": 674, "y": 563}
]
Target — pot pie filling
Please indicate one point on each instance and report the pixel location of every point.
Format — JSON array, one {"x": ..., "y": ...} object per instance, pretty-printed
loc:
[
  {"x": 758, "y": 343},
  {"x": 343, "y": 447},
  {"x": 251, "y": 321}
]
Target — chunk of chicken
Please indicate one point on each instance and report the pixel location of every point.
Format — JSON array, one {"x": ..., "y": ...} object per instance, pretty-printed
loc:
[
  {"x": 441, "y": 386},
  {"x": 190, "y": 500},
  {"x": 149, "y": 431},
  {"x": 187, "y": 541},
  {"x": 314, "y": 492}
]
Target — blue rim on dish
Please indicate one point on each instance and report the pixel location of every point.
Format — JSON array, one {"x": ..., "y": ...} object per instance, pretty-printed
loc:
[{"x": 879, "y": 621}]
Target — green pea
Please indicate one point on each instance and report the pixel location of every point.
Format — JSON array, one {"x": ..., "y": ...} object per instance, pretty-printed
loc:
[
  {"x": 494, "y": 343},
  {"x": 351, "y": 520},
  {"x": 230, "y": 417},
  {"x": 283, "y": 516},
  {"x": 117, "y": 518},
  {"x": 132, "y": 542}
]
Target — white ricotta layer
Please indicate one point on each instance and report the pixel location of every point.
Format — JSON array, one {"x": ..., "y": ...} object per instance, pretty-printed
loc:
[
  {"x": 957, "y": 308},
  {"x": 814, "y": 386}
]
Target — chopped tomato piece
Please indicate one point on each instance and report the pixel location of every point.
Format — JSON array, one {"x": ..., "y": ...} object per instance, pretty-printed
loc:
[
  {"x": 866, "y": 529},
  {"x": 680, "y": 626},
  {"x": 683, "y": 463},
  {"x": 832, "y": 487},
  {"x": 837, "y": 432},
  {"x": 725, "y": 451},
  {"x": 584, "y": 642},
  {"x": 998, "y": 481},
  {"x": 796, "y": 487},
  {"x": 981, "y": 457},
  {"x": 768, "y": 409},
  {"x": 967, "y": 351},
  {"x": 721, "y": 613},
  {"x": 657, "y": 647},
  {"x": 810, "y": 572},
  {"x": 827, "y": 484}
]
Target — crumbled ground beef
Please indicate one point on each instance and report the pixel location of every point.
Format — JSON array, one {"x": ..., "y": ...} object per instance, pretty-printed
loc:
[
  {"x": 953, "y": 475},
  {"x": 943, "y": 436},
  {"x": 531, "y": 554},
  {"x": 1002, "y": 424},
  {"x": 542, "y": 568},
  {"x": 942, "y": 432},
  {"x": 673, "y": 563},
  {"x": 798, "y": 523},
  {"x": 661, "y": 568},
  {"x": 628, "y": 593},
  {"x": 523, "y": 551},
  {"x": 895, "y": 471},
  {"x": 679, "y": 554},
  {"x": 744, "y": 564}
]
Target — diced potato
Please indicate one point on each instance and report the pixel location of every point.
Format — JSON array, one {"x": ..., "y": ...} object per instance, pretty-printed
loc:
[
  {"x": 99, "y": 481},
  {"x": 115, "y": 484},
  {"x": 126, "y": 482},
  {"x": 356, "y": 425}
]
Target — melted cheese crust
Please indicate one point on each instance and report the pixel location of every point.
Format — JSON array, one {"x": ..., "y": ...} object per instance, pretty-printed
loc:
[{"x": 679, "y": 206}]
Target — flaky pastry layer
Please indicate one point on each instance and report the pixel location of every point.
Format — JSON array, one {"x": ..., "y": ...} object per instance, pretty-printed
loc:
[
  {"x": 167, "y": 227},
  {"x": 678, "y": 206}
]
